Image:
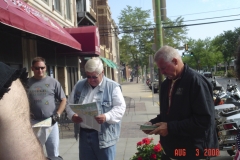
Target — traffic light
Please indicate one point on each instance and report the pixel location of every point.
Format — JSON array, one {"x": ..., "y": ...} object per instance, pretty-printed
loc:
[
  {"x": 191, "y": 53},
  {"x": 186, "y": 47},
  {"x": 183, "y": 54}
]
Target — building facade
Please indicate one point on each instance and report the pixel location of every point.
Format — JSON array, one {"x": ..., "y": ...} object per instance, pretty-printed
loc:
[{"x": 46, "y": 28}]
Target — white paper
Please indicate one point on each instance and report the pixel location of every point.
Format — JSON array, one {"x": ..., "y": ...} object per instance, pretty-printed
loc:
[
  {"x": 87, "y": 112},
  {"x": 42, "y": 129},
  {"x": 45, "y": 123}
]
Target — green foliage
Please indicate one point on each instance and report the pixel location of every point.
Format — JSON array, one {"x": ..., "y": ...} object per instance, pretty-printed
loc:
[
  {"x": 231, "y": 73},
  {"x": 205, "y": 55},
  {"x": 219, "y": 73},
  {"x": 138, "y": 37},
  {"x": 136, "y": 42},
  {"x": 146, "y": 150},
  {"x": 226, "y": 43},
  {"x": 174, "y": 36}
]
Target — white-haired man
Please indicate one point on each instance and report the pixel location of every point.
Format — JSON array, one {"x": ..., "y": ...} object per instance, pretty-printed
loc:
[
  {"x": 96, "y": 87},
  {"x": 186, "y": 123}
]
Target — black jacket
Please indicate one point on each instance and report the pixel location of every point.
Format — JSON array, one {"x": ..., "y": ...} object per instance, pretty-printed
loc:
[{"x": 190, "y": 121}]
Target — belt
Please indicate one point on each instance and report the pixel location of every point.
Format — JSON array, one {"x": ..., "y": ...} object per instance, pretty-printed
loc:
[{"x": 87, "y": 130}]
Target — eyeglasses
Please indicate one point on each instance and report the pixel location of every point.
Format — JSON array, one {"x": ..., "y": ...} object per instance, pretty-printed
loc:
[
  {"x": 38, "y": 68},
  {"x": 93, "y": 77}
]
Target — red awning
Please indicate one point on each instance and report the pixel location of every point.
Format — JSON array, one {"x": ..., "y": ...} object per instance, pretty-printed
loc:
[
  {"x": 18, "y": 14},
  {"x": 88, "y": 36}
]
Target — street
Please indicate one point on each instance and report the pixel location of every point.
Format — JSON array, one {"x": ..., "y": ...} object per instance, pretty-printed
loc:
[{"x": 224, "y": 81}]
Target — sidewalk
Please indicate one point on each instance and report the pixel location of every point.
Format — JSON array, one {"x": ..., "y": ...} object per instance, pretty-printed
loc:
[{"x": 130, "y": 133}]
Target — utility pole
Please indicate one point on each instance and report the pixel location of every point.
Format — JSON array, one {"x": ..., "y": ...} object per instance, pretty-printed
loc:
[{"x": 159, "y": 39}]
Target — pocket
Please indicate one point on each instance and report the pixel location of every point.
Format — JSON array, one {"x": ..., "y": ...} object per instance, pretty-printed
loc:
[{"x": 107, "y": 106}]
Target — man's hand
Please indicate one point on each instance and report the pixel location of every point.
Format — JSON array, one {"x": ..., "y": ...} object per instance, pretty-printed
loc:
[
  {"x": 76, "y": 118},
  {"x": 162, "y": 129},
  {"x": 100, "y": 118},
  {"x": 147, "y": 131}
]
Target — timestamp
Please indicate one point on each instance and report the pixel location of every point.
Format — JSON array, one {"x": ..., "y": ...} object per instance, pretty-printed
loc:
[{"x": 209, "y": 152}]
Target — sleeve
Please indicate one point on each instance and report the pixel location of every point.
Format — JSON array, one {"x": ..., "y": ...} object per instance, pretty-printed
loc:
[
  {"x": 202, "y": 112},
  {"x": 119, "y": 106},
  {"x": 156, "y": 119},
  {"x": 59, "y": 93},
  {"x": 159, "y": 116}
]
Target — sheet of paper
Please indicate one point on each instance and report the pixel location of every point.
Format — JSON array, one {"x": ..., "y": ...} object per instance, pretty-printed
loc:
[
  {"x": 42, "y": 129},
  {"x": 147, "y": 127},
  {"x": 87, "y": 112},
  {"x": 45, "y": 123}
]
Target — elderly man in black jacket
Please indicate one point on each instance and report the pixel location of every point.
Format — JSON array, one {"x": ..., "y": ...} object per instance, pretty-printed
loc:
[{"x": 186, "y": 122}]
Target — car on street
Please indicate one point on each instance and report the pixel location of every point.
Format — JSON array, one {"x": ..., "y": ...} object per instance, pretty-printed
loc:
[{"x": 207, "y": 74}]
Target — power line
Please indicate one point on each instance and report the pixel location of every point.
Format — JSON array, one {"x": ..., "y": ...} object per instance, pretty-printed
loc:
[
  {"x": 210, "y": 18},
  {"x": 200, "y": 23},
  {"x": 152, "y": 28},
  {"x": 121, "y": 27},
  {"x": 205, "y": 12},
  {"x": 165, "y": 27}
]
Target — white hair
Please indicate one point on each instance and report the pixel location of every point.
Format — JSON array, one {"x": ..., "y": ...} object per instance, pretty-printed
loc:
[
  {"x": 167, "y": 53},
  {"x": 94, "y": 65}
]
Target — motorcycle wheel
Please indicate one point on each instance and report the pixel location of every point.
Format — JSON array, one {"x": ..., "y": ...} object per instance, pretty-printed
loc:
[{"x": 231, "y": 152}]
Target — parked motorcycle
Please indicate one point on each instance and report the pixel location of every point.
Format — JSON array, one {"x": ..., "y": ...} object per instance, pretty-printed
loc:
[
  {"x": 219, "y": 95},
  {"x": 233, "y": 91},
  {"x": 227, "y": 116},
  {"x": 231, "y": 95},
  {"x": 228, "y": 122}
]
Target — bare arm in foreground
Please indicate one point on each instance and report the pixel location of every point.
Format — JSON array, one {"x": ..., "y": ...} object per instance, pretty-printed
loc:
[{"x": 18, "y": 141}]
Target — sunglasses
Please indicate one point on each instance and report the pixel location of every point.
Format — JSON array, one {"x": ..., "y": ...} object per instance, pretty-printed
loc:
[
  {"x": 38, "y": 68},
  {"x": 93, "y": 77}
]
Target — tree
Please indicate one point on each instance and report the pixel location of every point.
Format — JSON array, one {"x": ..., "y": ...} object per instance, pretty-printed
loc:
[
  {"x": 203, "y": 54},
  {"x": 226, "y": 43},
  {"x": 174, "y": 36},
  {"x": 138, "y": 36}
]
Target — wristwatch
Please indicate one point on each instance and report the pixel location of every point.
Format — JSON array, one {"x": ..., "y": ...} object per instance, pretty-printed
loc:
[{"x": 56, "y": 117}]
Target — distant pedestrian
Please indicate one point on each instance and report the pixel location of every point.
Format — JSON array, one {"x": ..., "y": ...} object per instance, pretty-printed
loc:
[
  {"x": 94, "y": 145},
  {"x": 186, "y": 123},
  {"x": 43, "y": 92}
]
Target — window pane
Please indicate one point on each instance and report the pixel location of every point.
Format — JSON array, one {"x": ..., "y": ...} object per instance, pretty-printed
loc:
[
  {"x": 46, "y": 1},
  {"x": 68, "y": 9},
  {"x": 58, "y": 5}
]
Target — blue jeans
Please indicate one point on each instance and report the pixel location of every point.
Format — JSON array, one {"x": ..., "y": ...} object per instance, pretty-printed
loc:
[
  {"x": 52, "y": 143},
  {"x": 89, "y": 147}
]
